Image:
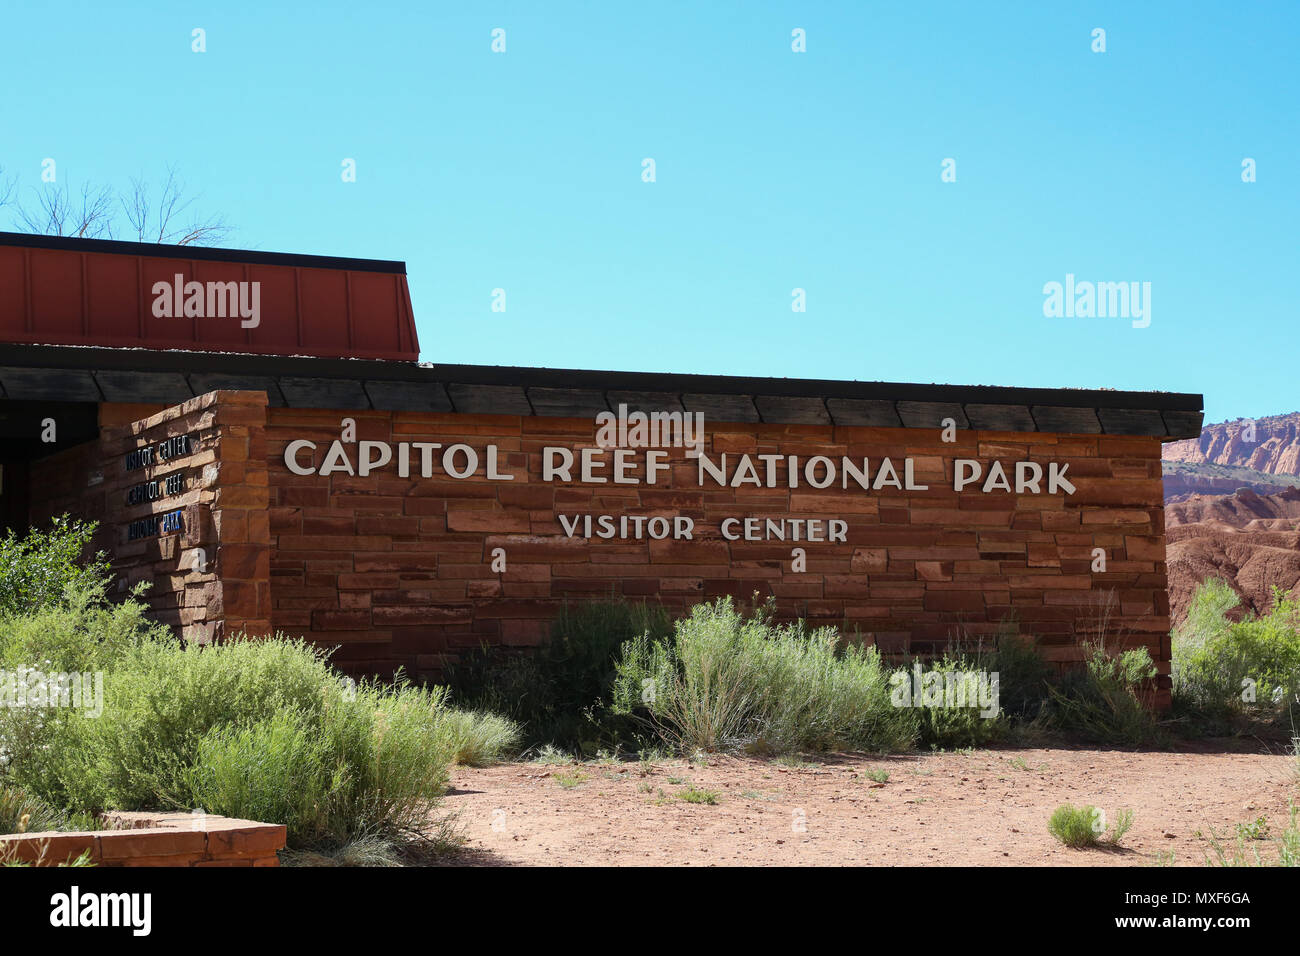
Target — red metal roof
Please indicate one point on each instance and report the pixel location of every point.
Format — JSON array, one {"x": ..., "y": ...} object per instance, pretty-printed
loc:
[{"x": 59, "y": 291}]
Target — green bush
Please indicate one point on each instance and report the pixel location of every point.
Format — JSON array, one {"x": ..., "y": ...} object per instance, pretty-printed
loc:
[
  {"x": 961, "y": 721},
  {"x": 20, "y": 812},
  {"x": 1023, "y": 674},
  {"x": 1072, "y": 825},
  {"x": 274, "y": 769},
  {"x": 1085, "y": 826},
  {"x": 36, "y": 570},
  {"x": 1245, "y": 849},
  {"x": 560, "y": 693},
  {"x": 1220, "y": 664},
  {"x": 479, "y": 738},
  {"x": 162, "y": 697},
  {"x": 397, "y": 748},
  {"x": 971, "y": 660},
  {"x": 726, "y": 679},
  {"x": 262, "y": 729},
  {"x": 83, "y": 635},
  {"x": 1108, "y": 700}
]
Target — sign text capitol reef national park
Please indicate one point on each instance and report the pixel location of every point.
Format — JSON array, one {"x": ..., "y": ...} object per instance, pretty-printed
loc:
[{"x": 629, "y": 450}]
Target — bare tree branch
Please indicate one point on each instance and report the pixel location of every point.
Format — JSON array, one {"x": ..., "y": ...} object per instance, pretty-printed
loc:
[
  {"x": 172, "y": 204},
  {"x": 7, "y": 187},
  {"x": 92, "y": 215},
  {"x": 137, "y": 208},
  {"x": 59, "y": 213}
]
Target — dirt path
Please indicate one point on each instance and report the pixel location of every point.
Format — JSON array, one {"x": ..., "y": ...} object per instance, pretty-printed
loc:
[{"x": 987, "y": 807}]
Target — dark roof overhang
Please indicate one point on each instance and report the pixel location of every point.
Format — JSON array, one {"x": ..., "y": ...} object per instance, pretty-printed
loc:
[{"x": 89, "y": 374}]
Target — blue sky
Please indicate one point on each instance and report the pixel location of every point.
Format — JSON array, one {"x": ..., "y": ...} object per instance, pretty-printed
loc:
[{"x": 775, "y": 171}]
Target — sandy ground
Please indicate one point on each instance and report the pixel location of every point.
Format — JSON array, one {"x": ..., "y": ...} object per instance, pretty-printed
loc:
[{"x": 986, "y": 807}]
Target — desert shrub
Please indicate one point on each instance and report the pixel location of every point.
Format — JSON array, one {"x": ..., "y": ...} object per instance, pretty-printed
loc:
[
  {"x": 389, "y": 749},
  {"x": 20, "y": 812},
  {"x": 82, "y": 636},
  {"x": 1023, "y": 674},
  {"x": 479, "y": 738},
  {"x": 552, "y": 755},
  {"x": 726, "y": 679},
  {"x": 247, "y": 728},
  {"x": 1225, "y": 669},
  {"x": 273, "y": 769},
  {"x": 81, "y": 633},
  {"x": 1108, "y": 700},
  {"x": 37, "y": 568},
  {"x": 367, "y": 850},
  {"x": 1207, "y": 611},
  {"x": 1245, "y": 849},
  {"x": 1085, "y": 826},
  {"x": 695, "y": 794},
  {"x": 560, "y": 693},
  {"x": 265, "y": 729},
  {"x": 1111, "y": 698},
  {"x": 1073, "y": 825},
  {"x": 948, "y": 707},
  {"x": 162, "y": 697}
]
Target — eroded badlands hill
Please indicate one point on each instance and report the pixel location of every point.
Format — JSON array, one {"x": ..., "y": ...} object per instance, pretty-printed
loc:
[{"x": 1252, "y": 541}]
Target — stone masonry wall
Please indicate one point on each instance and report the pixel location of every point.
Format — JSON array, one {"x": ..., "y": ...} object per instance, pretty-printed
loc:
[
  {"x": 154, "y": 839},
  {"x": 397, "y": 571},
  {"x": 219, "y": 501}
]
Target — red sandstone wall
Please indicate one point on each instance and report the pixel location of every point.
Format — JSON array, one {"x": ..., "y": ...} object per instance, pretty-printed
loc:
[
  {"x": 154, "y": 839},
  {"x": 223, "y": 505},
  {"x": 397, "y": 571}
]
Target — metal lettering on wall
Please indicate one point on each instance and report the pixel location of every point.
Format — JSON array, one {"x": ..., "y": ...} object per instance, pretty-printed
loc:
[
  {"x": 630, "y": 450},
  {"x": 160, "y": 488},
  {"x": 169, "y": 522},
  {"x": 178, "y": 446}
]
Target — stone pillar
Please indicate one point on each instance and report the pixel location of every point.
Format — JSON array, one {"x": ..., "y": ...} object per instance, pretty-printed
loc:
[{"x": 183, "y": 505}]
